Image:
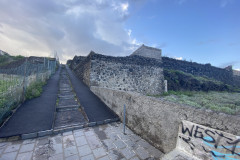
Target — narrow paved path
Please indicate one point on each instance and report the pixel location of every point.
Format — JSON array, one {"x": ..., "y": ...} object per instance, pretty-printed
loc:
[
  {"x": 36, "y": 114},
  {"x": 58, "y": 107},
  {"x": 68, "y": 111},
  {"x": 95, "y": 109}
]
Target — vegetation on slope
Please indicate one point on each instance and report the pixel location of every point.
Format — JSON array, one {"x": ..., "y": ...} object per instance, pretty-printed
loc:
[
  {"x": 6, "y": 58},
  {"x": 218, "y": 101},
  {"x": 181, "y": 81}
]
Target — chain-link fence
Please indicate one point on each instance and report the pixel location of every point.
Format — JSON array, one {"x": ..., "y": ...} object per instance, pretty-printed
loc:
[{"x": 14, "y": 80}]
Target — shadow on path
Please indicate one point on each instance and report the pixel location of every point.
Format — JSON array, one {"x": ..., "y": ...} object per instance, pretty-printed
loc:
[{"x": 95, "y": 109}]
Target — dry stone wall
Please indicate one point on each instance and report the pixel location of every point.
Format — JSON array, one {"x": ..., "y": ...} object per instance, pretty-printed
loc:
[
  {"x": 133, "y": 73},
  {"x": 204, "y": 70},
  {"x": 158, "y": 121}
]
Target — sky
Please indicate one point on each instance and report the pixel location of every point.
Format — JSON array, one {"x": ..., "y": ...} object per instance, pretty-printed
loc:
[{"x": 203, "y": 31}]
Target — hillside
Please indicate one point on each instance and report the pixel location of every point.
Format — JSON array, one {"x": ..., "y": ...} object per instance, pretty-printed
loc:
[
  {"x": 192, "y": 76},
  {"x": 5, "y": 58}
]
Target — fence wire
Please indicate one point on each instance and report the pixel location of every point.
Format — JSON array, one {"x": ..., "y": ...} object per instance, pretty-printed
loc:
[{"x": 14, "y": 81}]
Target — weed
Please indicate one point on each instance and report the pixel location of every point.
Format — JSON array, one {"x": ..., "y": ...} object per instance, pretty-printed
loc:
[
  {"x": 34, "y": 90},
  {"x": 226, "y": 102}
]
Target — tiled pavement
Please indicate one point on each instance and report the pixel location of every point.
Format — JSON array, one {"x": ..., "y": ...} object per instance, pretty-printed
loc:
[{"x": 105, "y": 142}]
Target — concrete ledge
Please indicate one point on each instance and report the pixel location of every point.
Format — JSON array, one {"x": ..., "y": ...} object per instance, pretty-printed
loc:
[
  {"x": 91, "y": 124},
  {"x": 29, "y": 135},
  {"x": 45, "y": 133},
  {"x": 107, "y": 121},
  {"x": 57, "y": 130}
]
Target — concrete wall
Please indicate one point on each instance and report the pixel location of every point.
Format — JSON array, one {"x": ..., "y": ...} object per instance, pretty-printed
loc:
[
  {"x": 207, "y": 143},
  {"x": 236, "y": 73},
  {"x": 158, "y": 121},
  {"x": 149, "y": 52}
]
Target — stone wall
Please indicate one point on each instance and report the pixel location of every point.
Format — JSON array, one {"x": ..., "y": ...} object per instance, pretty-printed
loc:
[
  {"x": 219, "y": 74},
  {"x": 133, "y": 73},
  {"x": 76, "y": 61},
  {"x": 82, "y": 68},
  {"x": 158, "y": 121}
]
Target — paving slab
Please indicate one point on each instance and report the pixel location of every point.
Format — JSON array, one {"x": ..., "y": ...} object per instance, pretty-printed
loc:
[{"x": 77, "y": 145}]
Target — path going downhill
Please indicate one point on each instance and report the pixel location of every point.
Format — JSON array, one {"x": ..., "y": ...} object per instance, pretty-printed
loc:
[
  {"x": 95, "y": 109},
  {"x": 66, "y": 103},
  {"x": 68, "y": 111},
  {"x": 36, "y": 114}
]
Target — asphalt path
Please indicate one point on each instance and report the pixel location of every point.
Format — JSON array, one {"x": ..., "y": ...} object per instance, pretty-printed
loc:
[
  {"x": 95, "y": 109},
  {"x": 36, "y": 114}
]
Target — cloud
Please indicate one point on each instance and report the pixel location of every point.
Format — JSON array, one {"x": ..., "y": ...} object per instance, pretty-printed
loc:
[
  {"x": 69, "y": 26},
  {"x": 224, "y": 3},
  {"x": 238, "y": 69},
  {"x": 179, "y": 58}
]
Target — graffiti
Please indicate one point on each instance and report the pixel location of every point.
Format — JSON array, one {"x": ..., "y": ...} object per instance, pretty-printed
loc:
[{"x": 202, "y": 140}]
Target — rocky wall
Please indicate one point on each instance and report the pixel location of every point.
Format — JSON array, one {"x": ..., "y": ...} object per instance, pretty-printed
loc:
[
  {"x": 158, "y": 121},
  {"x": 83, "y": 69},
  {"x": 133, "y": 73},
  {"x": 128, "y": 77},
  {"x": 219, "y": 74}
]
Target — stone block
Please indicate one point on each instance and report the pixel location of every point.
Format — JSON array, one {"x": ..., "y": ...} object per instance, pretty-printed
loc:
[
  {"x": 91, "y": 124},
  {"x": 29, "y": 135},
  {"x": 45, "y": 133}
]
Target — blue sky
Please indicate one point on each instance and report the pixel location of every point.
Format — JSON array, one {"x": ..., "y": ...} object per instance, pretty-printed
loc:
[{"x": 203, "y": 31}]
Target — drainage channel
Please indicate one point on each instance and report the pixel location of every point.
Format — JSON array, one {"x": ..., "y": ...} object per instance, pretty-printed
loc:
[{"x": 69, "y": 113}]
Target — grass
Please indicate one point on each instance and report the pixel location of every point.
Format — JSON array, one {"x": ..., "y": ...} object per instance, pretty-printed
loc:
[
  {"x": 5, "y": 84},
  {"x": 34, "y": 90},
  {"x": 5, "y": 59},
  {"x": 225, "y": 102}
]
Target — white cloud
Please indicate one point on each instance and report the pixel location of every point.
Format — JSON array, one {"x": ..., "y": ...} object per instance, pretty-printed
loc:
[
  {"x": 238, "y": 69},
  {"x": 124, "y": 6},
  {"x": 69, "y": 26},
  {"x": 224, "y": 3},
  {"x": 178, "y": 58}
]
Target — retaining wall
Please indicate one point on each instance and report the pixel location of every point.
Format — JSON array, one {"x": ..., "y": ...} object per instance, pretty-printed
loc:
[
  {"x": 219, "y": 74},
  {"x": 158, "y": 121},
  {"x": 133, "y": 73}
]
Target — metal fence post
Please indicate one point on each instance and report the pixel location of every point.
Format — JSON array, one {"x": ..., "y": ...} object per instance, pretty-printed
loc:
[{"x": 124, "y": 118}]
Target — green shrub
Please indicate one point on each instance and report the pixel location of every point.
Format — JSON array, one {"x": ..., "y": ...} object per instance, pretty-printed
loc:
[
  {"x": 34, "y": 90},
  {"x": 226, "y": 110},
  {"x": 226, "y": 102}
]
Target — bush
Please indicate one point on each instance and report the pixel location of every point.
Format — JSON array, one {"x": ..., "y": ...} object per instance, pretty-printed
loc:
[
  {"x": 34, "y": 90},
  {"x": 226, "y": 102}
]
